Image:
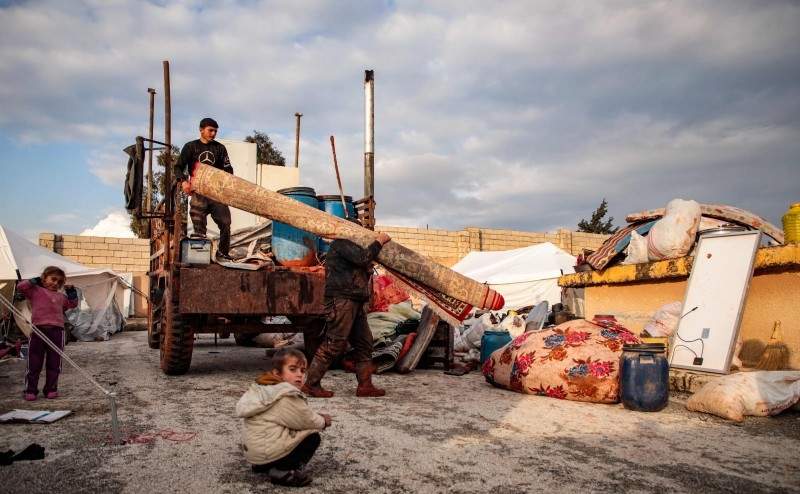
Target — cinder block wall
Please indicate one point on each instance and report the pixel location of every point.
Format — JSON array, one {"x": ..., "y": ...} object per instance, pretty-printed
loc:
[
  {"x": 448, "y": 247},
  {"x": 131, "y": 255},
  {"x": 122, "y": 255}
]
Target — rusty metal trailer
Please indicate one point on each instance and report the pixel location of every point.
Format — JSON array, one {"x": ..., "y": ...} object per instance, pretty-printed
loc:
[{"x": 187, "y": 299}]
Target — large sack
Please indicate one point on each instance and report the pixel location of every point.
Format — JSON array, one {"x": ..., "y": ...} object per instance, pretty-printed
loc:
[
  {"x": 757, "y": 393},
  {"x": 673, "y": 235},
  {"x": 637, "y": 250},
  {"x": 577, "y": 360},
  {"x": 664, "y": 321}
]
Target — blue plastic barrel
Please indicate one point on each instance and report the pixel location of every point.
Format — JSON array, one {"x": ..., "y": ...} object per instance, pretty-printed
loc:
[
  {"x": 644, "y": 377},
  {"x": 491, "y": 341},
  {"x": 293, "y": 246},
  {"x": 333, "y": 205}
]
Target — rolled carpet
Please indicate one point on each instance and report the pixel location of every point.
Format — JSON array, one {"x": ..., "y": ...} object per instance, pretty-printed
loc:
[{"x": 234, "y": 191}]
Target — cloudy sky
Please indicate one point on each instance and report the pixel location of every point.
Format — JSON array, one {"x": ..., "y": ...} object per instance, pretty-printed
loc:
[{"x": 506, "y": 114}]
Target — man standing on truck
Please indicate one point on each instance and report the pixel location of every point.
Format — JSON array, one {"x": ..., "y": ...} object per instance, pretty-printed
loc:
[
  {"x": 348, "y": 272},
  {"x": 207, "y": 151}
]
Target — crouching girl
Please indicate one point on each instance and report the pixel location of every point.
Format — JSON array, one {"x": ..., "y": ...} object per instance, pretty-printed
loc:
[{"x": 280, "y": 432}]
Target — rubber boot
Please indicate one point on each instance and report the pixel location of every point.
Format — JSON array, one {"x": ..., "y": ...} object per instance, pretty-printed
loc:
[
  {"x": 312, "y": 387},
  {"x": 364, "y": 377}
]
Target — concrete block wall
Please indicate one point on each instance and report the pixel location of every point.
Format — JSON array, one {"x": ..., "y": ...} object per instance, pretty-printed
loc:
[
  {"x": 121, "y": 255},
  {"x": 448, "y": 247},
  {"x": 131, "y": 255}
]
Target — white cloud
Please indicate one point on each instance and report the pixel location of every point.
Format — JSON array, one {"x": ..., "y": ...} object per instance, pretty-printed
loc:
[
  {"x": 116, "y": 224},
  {"x": 501, "y": 114}
]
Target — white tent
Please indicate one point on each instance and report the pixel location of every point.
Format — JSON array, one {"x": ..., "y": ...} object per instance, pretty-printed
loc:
[
  {"x": 523, "y": 276},
  {"x": 101, "y": 287}
]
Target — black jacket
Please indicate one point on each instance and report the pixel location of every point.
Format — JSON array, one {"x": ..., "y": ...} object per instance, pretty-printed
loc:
[
  {"x": 348, "y": 269},
  {"x": 212, "y": 154}
]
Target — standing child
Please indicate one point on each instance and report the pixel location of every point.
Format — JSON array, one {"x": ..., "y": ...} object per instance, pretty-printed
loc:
[
  {"x": 47, "y": 314},
  {"x": 280, "y": 433},
  {"x": 348, "y": 280}
]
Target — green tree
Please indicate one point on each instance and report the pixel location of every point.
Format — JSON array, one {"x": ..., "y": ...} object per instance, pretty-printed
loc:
[
  {"x": 139, "y": 227},
  {"x": 266, "y": 152},
  {"x": 596, "y": 224}
]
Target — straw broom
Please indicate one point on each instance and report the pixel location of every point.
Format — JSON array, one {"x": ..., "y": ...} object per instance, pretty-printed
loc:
[{"x": 776, "y": 353}]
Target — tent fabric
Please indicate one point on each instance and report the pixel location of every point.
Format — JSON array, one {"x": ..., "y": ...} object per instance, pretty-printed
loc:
[
  {"x": 524, "y": 276},
  {"x": 21, "y": 259}
]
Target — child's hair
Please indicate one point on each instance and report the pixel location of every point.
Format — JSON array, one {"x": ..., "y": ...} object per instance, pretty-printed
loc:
[
  {"x": 53, "y": 270},
  {"x": 282, "y": 356}
]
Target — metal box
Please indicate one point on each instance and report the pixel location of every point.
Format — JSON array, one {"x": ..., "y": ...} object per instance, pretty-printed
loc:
[{"x": 196, "y": 251}]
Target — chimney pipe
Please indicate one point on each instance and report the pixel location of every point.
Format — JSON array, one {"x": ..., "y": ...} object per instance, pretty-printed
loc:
[{"x": 369, "y": 139}]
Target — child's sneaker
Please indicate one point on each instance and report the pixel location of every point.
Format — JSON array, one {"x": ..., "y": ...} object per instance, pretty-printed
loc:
[
  {"x": 29, "y": 397},
  {"x": 52, "y": 395}
]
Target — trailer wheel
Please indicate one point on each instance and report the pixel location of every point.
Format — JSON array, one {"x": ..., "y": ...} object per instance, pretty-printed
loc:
[{"x": 176, "y": 340}]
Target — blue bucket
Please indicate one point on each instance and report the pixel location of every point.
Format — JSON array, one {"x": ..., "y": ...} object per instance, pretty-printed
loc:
[
  {"x": 293, "y": 246},
  {"x": 333, "y": 205}
]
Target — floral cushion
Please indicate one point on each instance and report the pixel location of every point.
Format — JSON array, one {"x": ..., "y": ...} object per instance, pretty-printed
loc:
[{"x": 577, "y": 360}]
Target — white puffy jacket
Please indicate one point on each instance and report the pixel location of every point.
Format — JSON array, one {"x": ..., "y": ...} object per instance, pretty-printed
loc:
[{"x": 276, "y": 418}]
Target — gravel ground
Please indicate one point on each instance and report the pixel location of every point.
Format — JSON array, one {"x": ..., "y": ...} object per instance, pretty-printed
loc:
[{"x": 431, "y": 433}]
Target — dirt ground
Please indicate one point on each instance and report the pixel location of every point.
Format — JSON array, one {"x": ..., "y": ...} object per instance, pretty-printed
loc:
[{"x": 432, "y": 433}]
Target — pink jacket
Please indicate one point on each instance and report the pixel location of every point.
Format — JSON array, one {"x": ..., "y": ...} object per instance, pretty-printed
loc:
[{"x": 47, "y": 307}]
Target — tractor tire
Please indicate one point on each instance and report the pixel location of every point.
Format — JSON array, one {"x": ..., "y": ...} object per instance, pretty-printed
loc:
[{"x": 176, "y": 340}]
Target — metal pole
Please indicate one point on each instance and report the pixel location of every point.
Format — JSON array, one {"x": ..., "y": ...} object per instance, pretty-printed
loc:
[
  {"x": 338, "y": 178},
  {"x": 150, "y": 154},
  {"x": 369, "y": 139},
  {"x": 297, "y": 142},
  {"x": 5, "y": 303},
  {"x": 169, "y": 206},
  {"x": 168, "y": 141},
  {"x": 114, "y": 422}
]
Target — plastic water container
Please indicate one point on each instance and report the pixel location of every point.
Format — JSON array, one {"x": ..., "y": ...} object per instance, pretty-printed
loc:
[
  {"x": 333, "y": 205},
  {"x": 491, "y": 341},
  {"x": 791, "y": 224},
  {"x": 644, "y": 377},
  {"x": 293, "y": 246}
]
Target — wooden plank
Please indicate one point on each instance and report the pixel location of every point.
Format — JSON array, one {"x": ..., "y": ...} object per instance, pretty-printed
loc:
[{"x": 427, "y": 328}]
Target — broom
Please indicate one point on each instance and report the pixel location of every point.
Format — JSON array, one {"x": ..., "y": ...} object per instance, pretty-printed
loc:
[{"x": 776, "y": 353}]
